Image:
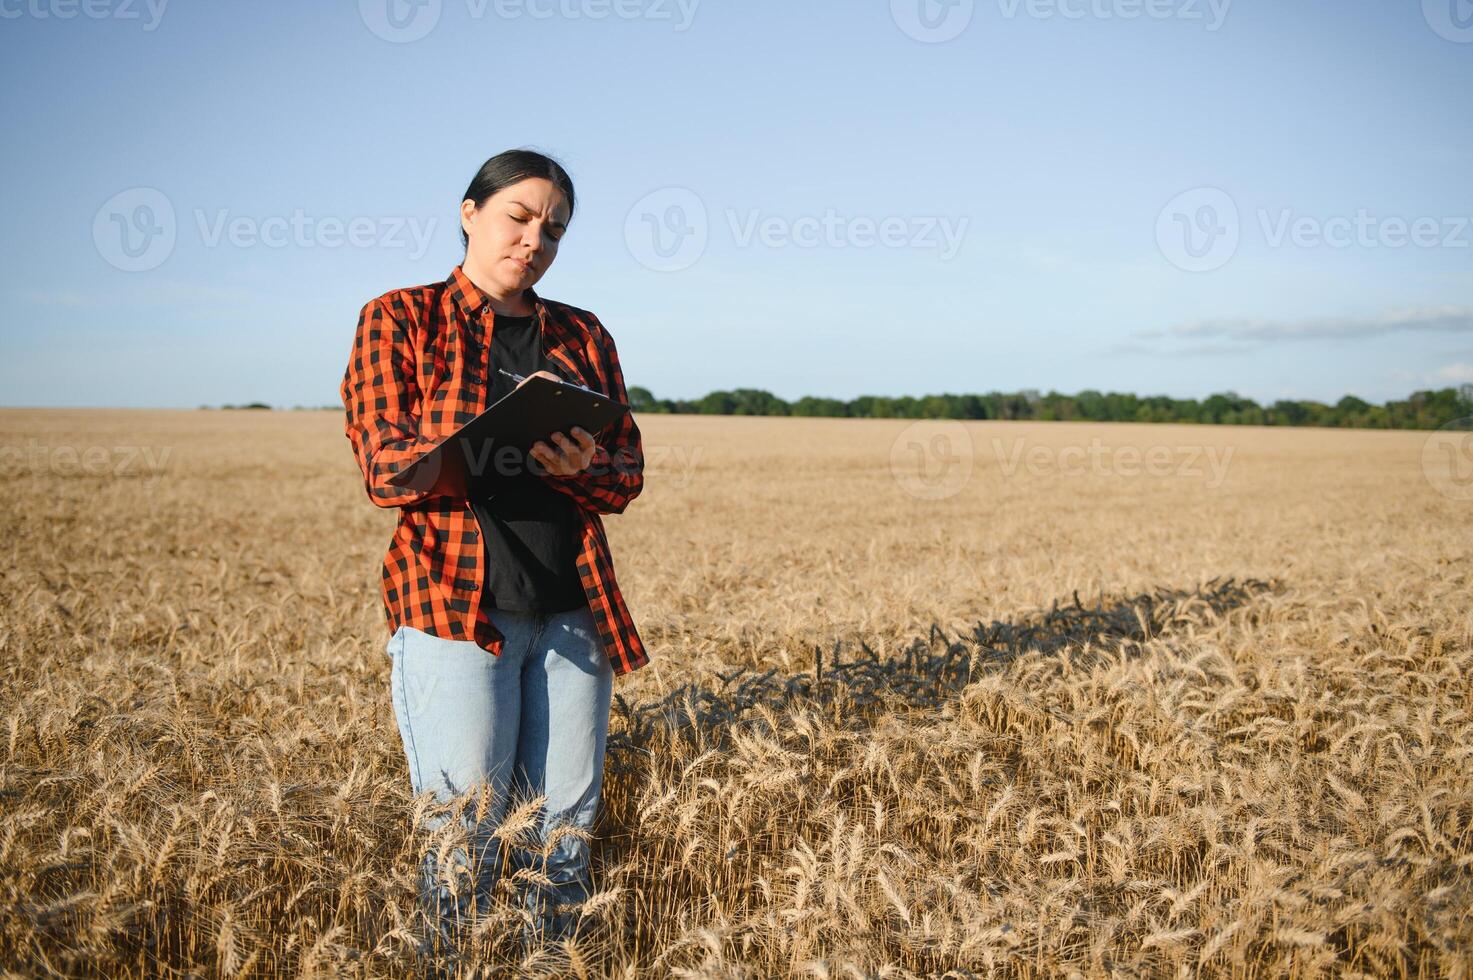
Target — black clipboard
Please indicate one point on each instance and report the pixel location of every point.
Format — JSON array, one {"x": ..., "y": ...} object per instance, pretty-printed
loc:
[{"x": 532, "y": 411}]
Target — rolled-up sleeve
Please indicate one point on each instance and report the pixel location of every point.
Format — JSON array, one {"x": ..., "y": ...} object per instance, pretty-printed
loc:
[
  {"x": 615, "y": 475},
  {"x": 381, "y": 399}
]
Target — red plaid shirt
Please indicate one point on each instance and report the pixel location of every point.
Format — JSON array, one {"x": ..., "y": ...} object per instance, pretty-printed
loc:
[{"x": 418, "y": 371}]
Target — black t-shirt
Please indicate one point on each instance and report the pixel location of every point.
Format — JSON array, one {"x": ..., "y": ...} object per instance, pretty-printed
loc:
[{"x": 530, "y": 531}]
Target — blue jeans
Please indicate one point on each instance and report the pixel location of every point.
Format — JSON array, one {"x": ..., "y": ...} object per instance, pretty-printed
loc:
[{"x": 533, "y": 720}]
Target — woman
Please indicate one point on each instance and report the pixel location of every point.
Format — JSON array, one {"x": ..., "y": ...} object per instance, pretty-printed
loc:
[{"x": 507, "y": 626}]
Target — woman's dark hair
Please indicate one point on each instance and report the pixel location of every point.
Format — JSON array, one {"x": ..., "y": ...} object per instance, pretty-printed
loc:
[{"x": 505, "y": 169}]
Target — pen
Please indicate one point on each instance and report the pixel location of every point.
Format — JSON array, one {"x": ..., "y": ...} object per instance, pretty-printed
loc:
[{"x": 519, "y": 379}]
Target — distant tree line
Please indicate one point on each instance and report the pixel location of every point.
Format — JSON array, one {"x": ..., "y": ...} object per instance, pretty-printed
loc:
[{"x": 1423, "y": 410}]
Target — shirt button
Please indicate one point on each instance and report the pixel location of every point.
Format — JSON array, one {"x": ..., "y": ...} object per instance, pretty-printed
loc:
[{"x": 485, "y": 308}]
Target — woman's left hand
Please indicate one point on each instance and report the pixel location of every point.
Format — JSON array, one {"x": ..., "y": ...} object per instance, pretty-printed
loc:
[{"x": 569, "y": 457}]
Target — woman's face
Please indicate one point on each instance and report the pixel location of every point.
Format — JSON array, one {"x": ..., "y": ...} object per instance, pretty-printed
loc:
[{"x": 514, "y": 234}]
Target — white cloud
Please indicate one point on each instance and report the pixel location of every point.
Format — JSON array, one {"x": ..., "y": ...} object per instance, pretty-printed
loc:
[
  {"x": 1245, "y": 330},
  {"x": 1458, "y": 372}
]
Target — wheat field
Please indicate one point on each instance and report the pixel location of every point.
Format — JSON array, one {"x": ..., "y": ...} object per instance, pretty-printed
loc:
[{"x": 1033, "y": 700}]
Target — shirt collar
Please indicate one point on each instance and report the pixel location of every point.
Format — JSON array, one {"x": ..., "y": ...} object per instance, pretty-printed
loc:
[{"x": 474, "y": 304}]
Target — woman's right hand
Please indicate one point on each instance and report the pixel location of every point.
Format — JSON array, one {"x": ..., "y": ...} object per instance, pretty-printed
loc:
[{"x": 544, "y": 374}]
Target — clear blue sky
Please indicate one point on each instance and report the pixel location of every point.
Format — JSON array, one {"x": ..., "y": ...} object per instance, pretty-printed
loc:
[{"x": 1053, "y": 140}]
